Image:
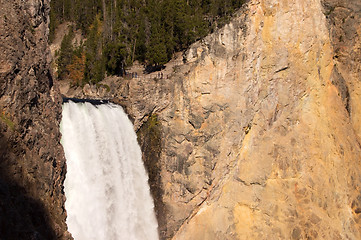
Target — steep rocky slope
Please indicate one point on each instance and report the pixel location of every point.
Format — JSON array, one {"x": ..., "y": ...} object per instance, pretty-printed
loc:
[
  {"x": 344, "y": 24},
  {"x": 294, "y": 171},
  {"x": 32, "y": 165},
  {"x": 256, "y": 136},
  {"x": 260, "y": 130}
]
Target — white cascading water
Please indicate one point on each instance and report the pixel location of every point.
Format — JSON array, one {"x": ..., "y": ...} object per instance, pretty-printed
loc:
[{"x": 106, "y": 185}]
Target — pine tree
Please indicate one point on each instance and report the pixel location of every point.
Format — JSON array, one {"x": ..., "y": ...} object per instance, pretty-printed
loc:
[
  {"x": 115, "y": 55},
  {"x": 94, "y": 64},
  {"x": 76, "y": 69},
  {"x": 65, "y": 55}
]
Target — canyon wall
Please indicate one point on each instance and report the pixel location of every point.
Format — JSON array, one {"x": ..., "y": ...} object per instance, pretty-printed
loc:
[
  {"x": 260, "y": 129},
  {"x": 32, "y": 164},
  {"x": 257, "y": 134},
  {"x": 292, "y": 167}
]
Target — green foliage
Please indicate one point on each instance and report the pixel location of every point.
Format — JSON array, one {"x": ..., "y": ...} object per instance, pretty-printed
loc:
[
  {"x": 6, "y": 120},
  {"x": 118, "y": 32},
  {"x": 115, "y": 54},
  {"x": 153, "y": 121},
  {"x": 150, "y": 140},
  {"x": 81, "y": 12},
  {"x": 65, "y": 55},
  {"x": 76, "y": 69},
  {"x": 71, "y": 61},
  {"x": 157, "y": 52},
  {"x": 98, "y": 85},
  {"x": 94, "y": 64}
]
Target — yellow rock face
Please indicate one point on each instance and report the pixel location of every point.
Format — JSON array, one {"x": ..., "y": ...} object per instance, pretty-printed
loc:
[{"x": 275, "y": 150}]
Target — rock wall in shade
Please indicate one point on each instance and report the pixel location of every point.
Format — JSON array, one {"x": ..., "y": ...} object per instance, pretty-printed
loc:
[{"x": 32, "y": 164}]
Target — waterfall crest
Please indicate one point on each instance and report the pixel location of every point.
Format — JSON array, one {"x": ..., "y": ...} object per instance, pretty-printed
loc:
[{"x": 106, "y": 185}]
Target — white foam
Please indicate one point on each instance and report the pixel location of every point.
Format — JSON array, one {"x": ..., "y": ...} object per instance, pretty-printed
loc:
[{"x": 106, "y": 185}]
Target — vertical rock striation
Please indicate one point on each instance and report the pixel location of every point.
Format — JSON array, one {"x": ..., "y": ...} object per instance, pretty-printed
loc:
[
  {"x": 260, "y": 126},
  {"x": 257, "y": 135},
  {"x": 344, "y": 24},
  {"x": 32, "y": 164},
  {"x": 287, "y": 157}
]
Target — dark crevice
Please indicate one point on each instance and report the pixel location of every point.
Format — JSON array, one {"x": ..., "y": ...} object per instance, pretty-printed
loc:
[
  {"x": 34, "y": 102},
  {"x": 79, "y": 100},
  {"x": 51, "y": 81},
  {"x": 282, "y": 69},
  {"x": 339, "y": 82}
]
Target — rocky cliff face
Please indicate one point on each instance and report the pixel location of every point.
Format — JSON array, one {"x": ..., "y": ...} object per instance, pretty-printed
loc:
[
  {"x": 288, "y": 160},
  {"x": 343, "y": 22},
  {"x": 258, "y": 134},
  {"x": 32, "y": 164},
  {"x": 260, "y": 128}
]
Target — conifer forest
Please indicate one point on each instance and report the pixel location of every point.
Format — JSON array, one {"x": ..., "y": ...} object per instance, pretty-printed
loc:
[{"x": 118, "y": 32}]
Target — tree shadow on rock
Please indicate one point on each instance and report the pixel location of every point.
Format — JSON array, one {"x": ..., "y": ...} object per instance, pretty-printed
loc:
[{"x": 153, "y": 68}]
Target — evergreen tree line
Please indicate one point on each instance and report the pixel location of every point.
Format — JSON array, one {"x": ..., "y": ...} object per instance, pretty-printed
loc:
[{"x": 118, "y": 32}]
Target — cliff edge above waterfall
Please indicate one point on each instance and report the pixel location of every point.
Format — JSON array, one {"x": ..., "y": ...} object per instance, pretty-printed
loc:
[
  {"x": 259, "y": 128},
  {"x": 255, "y": 135}
]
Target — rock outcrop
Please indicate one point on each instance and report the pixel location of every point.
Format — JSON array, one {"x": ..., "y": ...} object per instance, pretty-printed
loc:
[
  {"x": 286, "y": 150},
  {"x": 257, "y": 135},
  {"x": 32, "y": 164},
  {"x": 260, "y": 129}
]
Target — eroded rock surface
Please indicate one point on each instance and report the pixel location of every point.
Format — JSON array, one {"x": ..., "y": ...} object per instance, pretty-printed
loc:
[
  {"x": 285, "y": 147},
  {"x": 32, "y": 164},
  {"x": 260, "y": 128}
]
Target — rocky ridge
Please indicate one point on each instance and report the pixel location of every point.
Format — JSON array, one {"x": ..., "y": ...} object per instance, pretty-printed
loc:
[
  {"x": 260, "y": 130},
  {"x": 295, "y": 171},
  {"x": 32, "y": 166},
  {"x": 255, "y": 136}
]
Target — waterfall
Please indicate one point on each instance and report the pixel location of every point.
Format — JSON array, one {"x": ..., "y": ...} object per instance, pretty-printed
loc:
[{"x": 106, "y": 185}]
